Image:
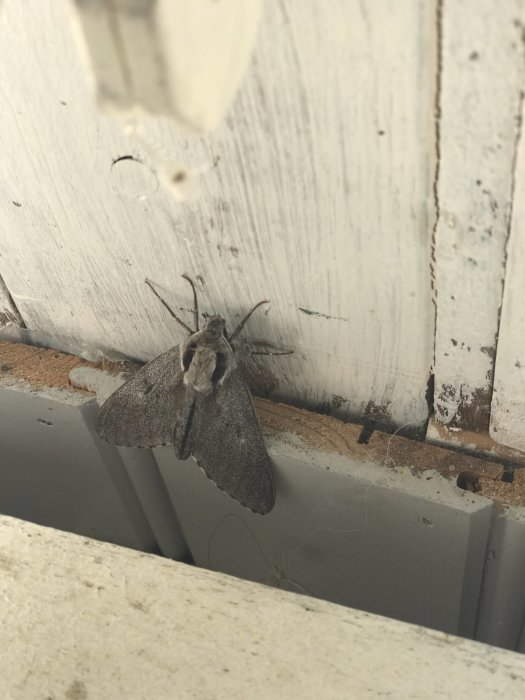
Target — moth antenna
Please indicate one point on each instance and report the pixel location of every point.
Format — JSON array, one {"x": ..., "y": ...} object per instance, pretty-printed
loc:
[
  {"x": 172, "y": 314},
  {"x": 195, "y": 301},
  {"x": 243, "y": 322},
  {"x": 275, "y": 354}
]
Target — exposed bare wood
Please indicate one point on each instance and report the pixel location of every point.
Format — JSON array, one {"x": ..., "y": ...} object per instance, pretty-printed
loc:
[{"x": 38, "y": 366}]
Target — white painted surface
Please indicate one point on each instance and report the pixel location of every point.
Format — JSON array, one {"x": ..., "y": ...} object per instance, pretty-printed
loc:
[
  {"x": 82, "y": 619},
  {"x": 482, "y": 77},
  {"x": 507, "y": 423},
  {"x": 178, "y": 57},
  {"x": 314, "y": 194}
]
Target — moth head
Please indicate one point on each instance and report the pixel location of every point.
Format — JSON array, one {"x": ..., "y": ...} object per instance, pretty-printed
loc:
[
  {"x": 215, "y": 326},
  {"x": 207, "y": 357}
]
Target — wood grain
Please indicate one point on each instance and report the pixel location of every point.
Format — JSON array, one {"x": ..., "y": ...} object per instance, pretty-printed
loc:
[
  {"x": 313, "y": 194},
  {"x": 481, "y": 83}
]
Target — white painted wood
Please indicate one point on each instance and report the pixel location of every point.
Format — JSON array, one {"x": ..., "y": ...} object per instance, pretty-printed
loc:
[
  {"x": 178, "y": 57},
  {"x": 314, "y": 194},
  {"x": 507, "y": 424},
  {"x": 105, "y": 621},
  {"x": 481, "y": 82}
]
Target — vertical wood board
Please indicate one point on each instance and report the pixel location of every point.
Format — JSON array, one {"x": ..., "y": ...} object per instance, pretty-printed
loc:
[
  {"x": 507, "y": 421},
  {"x": 313, "y": 194},
  {"x": 481, "y": 81}
]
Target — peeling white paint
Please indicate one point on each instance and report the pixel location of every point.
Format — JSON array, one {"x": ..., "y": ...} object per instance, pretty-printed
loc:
[
  {"x": 481, "y": 83},
  {"x": 318, "y": 199},
  {"x": 507, "y": 424}
]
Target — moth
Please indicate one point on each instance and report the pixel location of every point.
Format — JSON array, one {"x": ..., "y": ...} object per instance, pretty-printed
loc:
[{"x": 194, "y": 398}]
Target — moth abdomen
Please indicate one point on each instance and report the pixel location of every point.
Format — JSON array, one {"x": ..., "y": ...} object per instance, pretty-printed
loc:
[{"x": 183, "y": 430}]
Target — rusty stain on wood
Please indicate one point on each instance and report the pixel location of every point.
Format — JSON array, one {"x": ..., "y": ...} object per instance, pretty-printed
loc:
[
  {"x": 477, "y": 444},
  {"x": 471, "y": 413}
]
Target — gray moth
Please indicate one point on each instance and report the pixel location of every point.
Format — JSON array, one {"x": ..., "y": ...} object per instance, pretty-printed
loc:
[{"x": 194, "y": 398}]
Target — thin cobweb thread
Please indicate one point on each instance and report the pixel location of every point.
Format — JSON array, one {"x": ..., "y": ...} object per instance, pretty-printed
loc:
[
  {"x": 372, "y": 483},
  {"x": 279, "y": 569}
]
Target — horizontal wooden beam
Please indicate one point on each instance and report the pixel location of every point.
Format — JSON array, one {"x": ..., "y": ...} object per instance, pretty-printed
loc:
[{"x": 106, "y": 621}]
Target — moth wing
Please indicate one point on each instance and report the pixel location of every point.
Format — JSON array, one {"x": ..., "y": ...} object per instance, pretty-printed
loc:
[
  {"x": 145, "y": 410},
  {"x": 227, "y": 442}
]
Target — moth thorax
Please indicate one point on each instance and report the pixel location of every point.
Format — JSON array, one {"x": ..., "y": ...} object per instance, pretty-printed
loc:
[{"x": 207, "y": 367}]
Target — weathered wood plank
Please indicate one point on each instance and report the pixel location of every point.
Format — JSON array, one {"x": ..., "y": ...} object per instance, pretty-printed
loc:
[
  {"x": 507, "y": 422},
  {"x": 314, "y": 194},
  {"x": 170, "y": 630},
  {"x": 481, "y": 83}
]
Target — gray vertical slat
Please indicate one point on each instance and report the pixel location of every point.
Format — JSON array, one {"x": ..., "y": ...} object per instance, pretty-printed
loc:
[
  {"x": 502, "y": 609},
  {"x": 151, "y": 490},
  {"x": 51, "y": 471}
]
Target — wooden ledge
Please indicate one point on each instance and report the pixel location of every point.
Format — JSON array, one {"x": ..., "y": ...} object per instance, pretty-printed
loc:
[
  {"x": 84, "y": 619},
  {"x": 48, "y": 368}
]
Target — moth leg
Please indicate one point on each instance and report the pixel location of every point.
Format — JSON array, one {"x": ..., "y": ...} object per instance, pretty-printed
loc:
[
  {"x": 195, "y": 301},
  {"x": 172, "y": 314},
  {"x": 243, "y": 322}
]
